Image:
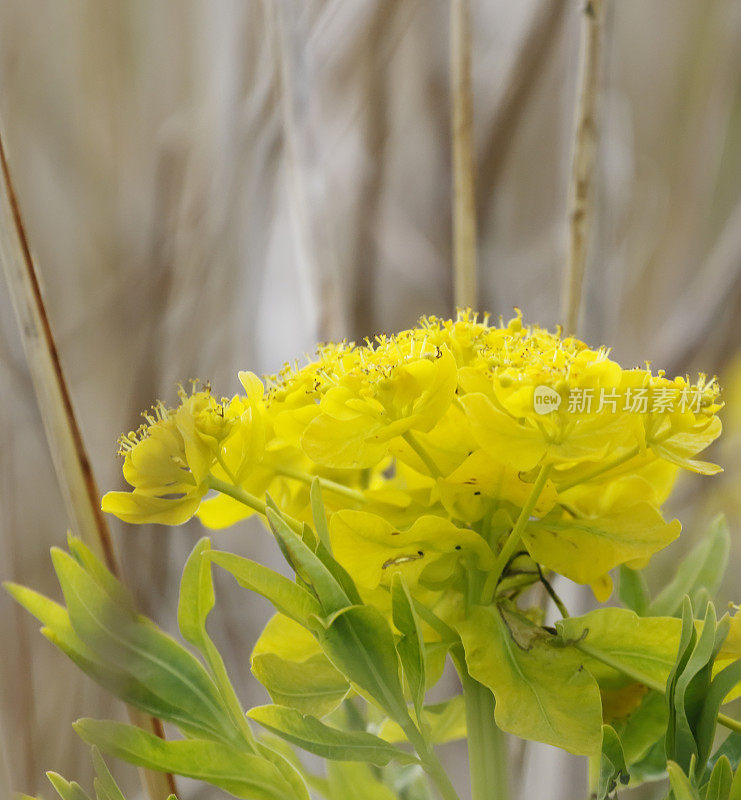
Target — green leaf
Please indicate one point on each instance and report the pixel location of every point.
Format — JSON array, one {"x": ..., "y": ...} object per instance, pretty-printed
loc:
[
  {"x": 197, "y": 597},
  {"x": 643, "y": 728},
  {"x": 357, "y": 781},
  {"x": 644, "y": 644},
  {"x": 96, "y": 569},
  {"x": 105, "y": 786},
  {"x": 719, "y": 785},
  {"x": 703, "y": 567},
  {"x": 651, "y": 766},
  {"x": 613, "y": 769},
  {"x": 65, "y": 789},
  {"x": 243, "y": 774},
  {"x": 444, "y": 722},
  {"x": 314, "y": 736},
  {"x": 681, "y": 785},
  {"x": 720, "y": 686},
  {"x": 287, "y": 597},
  {"x": 542, "y": 691},
  {"x": 313, "y": 686},
  {"x": 320, "y": 514},
  {"x": 411, "y": 646},
  {"x": 291, "y": 771},
  {"x": 340, "y": 574},
  {"x": 633, "y": 590},
  {"x": 359, "y": 642},
  {"x": 735, "y": 791},
  {"x": 142, "y": 651},
  {"x": 731, "y": 748},
  {"x": 308, "y": 566},
  {"x": 687, "y": 690},
  {"x": 583, "y": 550}
]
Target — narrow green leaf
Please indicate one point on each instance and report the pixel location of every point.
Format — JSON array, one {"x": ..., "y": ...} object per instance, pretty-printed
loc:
[
  {"x": 411, "y": 646},
  {"x": 65, "y": 789},
  {"x": 105, "y": 786},
  {"x": 314, "y": 736},
  {"x": 735, "y": 790},
  {"x": 340, "y": 574},
  {"x": 703, "y": 566},
  {"x": 444, "y": 722},
  {"x": 633, "y": 590},
  {"x": 721, "y": 685},
  {"x": 681, "y": 785},
  {"x": 137, "y": 647},
  {"x": 243, "y": 774},
  {"x": 719, "y": 785},
  {"x": 291, "y": 772},
  {"x": 613, "y": 769},
  {"x": 643, "y": 727},
  {"x": 312, "y": 686},
  {"x": 97, "y": 570},
  {"x": 287, "y": 597},
  {"x": 731, "y": 748},
  {"x": 359, "y": 642},
  {"x": 357, "y": 781},
  {"x": 197, "y": 597},
  {"x": 320, "y": 515},
  {"x": 690, "y": 691},
  {"x": 307, "y": 565}
]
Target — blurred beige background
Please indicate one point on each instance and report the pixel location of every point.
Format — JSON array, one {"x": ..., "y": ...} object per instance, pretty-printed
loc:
[{"x": 213, "y": 185}]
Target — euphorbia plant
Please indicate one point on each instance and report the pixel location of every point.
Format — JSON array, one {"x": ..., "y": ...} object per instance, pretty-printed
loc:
[{"x": 419, "y": 486}]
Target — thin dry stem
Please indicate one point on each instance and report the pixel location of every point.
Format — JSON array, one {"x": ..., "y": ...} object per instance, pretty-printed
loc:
[
  {"x": 71, "y": 461},
  {"x": 464, "y": 190},
  {"x": 583, "y": 160}
]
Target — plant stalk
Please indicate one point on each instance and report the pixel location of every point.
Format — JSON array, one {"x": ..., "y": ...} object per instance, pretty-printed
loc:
[
  {"x": 513, "y": 540},
  {"x": 71, "y": 462},
  {"x": 431, "y": 763},
  {"x": 464, "y": 194},
  {"x": 487, "y": 744},
  {"x": 583, "y": 162}
]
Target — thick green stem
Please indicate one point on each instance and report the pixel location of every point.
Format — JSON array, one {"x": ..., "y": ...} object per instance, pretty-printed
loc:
[
  {"x": 513, "y": 540},
  {"x": 487, "y": 744},
  {"x": 430, "y": 762}
]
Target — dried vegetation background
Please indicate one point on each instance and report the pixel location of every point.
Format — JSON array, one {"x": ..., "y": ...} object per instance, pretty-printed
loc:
[{"x": 211, "y": 185}]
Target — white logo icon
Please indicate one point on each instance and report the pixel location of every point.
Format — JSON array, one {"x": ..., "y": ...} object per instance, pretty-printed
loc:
[{"x": 545, "y": 399}]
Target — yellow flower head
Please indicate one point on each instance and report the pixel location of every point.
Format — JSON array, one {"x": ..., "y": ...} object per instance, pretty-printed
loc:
[
  {"x": 168, "y": 459},
  {"x": 452, "y": 420}
]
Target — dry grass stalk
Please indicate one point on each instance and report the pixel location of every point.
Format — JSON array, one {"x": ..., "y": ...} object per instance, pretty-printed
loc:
[
  {"x": 71, "y": 461},
  {"x": 464, "y": 190},
  {"x": 583, "y": 160}
]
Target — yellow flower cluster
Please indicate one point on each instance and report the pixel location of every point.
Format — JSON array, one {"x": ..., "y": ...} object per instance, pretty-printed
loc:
[{"x": 429, "y": 444}]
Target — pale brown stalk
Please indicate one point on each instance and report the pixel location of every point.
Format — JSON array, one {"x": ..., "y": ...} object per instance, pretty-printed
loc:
[
  {"x": 583, "y": 161},
  {"x": 71, "y": 461},
  {"x": 465, "y": 284}
]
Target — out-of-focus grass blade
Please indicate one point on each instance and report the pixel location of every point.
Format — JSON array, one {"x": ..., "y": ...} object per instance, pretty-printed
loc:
[{"x": 71, "y": 461}]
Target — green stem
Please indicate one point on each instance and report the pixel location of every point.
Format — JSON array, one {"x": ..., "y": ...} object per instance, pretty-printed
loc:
[
  {"x": 487, "y": 744},
  {"x": 604, "y": 467},
  {"x": 513, "y": 540},
  {"x": 241, "y": 496},
  {"x": 412, "y": 441},
  {"x": 430, "y": 762},
  {"x": 325, "y": 483},
  {"x": 646, "y": 680}
]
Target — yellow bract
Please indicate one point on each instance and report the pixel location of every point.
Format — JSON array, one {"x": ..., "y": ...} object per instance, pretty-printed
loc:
[{"x": 422, "y": 440}]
